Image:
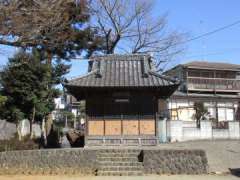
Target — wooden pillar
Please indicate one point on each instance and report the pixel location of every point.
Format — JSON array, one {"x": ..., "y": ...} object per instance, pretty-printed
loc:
[
  {"x": 187, "y": 80},
  {"x": 104, "y": 120},
  {"x": 216, "y": 106},
  {"x": 214, "y": 76},
  {"x": 86, "y": 120}
]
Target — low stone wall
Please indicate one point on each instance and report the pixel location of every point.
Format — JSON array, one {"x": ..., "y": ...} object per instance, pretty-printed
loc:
[
  {"x": 84, "y": 161},
  {"x": 175, "y": 162},
  {"x": 61, "y": 161}
]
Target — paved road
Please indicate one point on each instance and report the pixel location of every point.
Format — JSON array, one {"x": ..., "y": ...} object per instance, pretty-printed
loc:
[
  {"x": 221, "y": 154},
  {"x": 179, "y": 177}
]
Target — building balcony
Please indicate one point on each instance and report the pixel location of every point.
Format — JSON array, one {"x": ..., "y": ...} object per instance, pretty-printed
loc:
[{"x": 213, "y": 84}]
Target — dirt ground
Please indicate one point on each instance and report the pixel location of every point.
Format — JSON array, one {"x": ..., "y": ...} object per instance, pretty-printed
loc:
[{"x": 177, "y": 177}]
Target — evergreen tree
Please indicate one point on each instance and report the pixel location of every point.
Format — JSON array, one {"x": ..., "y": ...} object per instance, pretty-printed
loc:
[
  {"x": 25, "y": 82},
  {"x": 60, "y": 28}
]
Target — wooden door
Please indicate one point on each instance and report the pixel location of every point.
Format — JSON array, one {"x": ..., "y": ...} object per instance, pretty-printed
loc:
[
  {"x": 95, "y": 123},
  {"x": 147, "y": 126},
  {"x": 130, "y": 118}
]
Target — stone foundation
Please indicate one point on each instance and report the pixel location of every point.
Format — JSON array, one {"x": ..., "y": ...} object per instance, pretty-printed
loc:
[
  {"x": 87, "y": 161},
  {"x": 175, "y": 162},
  {"x": 61, "y": 161}
]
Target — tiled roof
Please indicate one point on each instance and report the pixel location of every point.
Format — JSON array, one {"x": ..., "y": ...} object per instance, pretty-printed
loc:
[
  {"x": 212, "y": 65},
  {"x": 121, "y": 71}
]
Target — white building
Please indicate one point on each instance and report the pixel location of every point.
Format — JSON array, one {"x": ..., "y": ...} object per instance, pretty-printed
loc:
[{"x": 217, "y": 87}]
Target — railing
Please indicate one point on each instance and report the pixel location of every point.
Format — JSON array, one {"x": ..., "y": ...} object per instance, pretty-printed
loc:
[{"x": 213, "y": 84}]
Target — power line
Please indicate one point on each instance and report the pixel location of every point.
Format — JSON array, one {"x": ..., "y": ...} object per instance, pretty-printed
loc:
[
  {"x": 206, "y": 34},
  {"x": 211, "y": 32},
  {"x": 215, "y": 53}
]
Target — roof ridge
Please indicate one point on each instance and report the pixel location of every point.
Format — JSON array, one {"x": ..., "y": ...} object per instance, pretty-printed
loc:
[
  {"x": 82, "y": 76},
  {"x": 209, "y": 62},
  {"x": 118, "y": 56},
  {"x": 168, "y": 78}
]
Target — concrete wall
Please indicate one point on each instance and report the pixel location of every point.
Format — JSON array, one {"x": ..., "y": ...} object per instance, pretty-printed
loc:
[
  {"x": 190, "y": 133},
  {"x": 179, "y": 132},
  {"x": 175, "y": 162},
  {"x": 191, "y": 124}
]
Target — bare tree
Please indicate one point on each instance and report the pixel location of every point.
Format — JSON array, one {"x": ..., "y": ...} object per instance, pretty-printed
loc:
[{"x": 129, "y": 26}]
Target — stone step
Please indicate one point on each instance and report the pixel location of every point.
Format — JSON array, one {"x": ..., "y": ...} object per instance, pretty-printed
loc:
[
  {"x": 118, "y": 159},
  {"x": 118, "y": 173},
  {"x": 121, "y": 168},
  {"x": 118, "y": 155},
  {"x": 109, "y": 163},
  {"x": 119, "y": 151}
]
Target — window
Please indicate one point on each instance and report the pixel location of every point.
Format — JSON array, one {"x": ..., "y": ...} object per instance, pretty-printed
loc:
[
  {"x": 212, "y": 112},
  {"x": 238, "y": 75},
  {"x": 229, "y": 114},
  {"x": 207, "y": 74},
  {"x": 225, "y": 114},
  {"x": 193, "y": 73},
  {"x": 62, "y": 100},
  {"x": 122, "y": 100},
  {"x": 221, "y": 114}
]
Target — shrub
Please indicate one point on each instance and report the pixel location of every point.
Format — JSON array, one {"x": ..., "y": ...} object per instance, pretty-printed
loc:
[{"x": 14, "y": 144}]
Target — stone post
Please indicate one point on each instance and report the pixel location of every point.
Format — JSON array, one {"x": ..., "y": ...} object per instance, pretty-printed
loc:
[
  {"x": 176, "y": 130},
  {"x": 206, "y": 129},
  {"x": 234, "y": 130},
  {"x": 161, "y": 119},
  {"x": 162, "y": 129}
]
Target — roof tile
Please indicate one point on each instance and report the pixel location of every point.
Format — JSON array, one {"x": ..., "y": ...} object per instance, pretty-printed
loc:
[{"x": 122, "y": 71}]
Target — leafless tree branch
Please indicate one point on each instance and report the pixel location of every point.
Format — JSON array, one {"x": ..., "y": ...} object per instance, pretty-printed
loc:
[{"x": 130, "y": 23}]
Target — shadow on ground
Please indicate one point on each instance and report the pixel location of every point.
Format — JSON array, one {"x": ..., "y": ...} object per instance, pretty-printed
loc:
[{"x": 235, "y": 172}]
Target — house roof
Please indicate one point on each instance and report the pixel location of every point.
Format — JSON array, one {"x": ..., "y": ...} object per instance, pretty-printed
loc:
[
  {"x": 121, "y": 71},
  {"x": 212, "y": 65}
]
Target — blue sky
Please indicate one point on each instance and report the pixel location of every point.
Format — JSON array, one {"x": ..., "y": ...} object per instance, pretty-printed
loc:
[{"x": 194, "y": 17}]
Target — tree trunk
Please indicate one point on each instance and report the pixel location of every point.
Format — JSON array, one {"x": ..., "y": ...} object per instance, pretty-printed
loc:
[
  {"x": 49, "y": 121},
  {"x": 74, "y": 122},
  {"x": 44, "y": 135},
  {"x": 66, "y": 122},
  {"x": 18, "y": 131},
  {"x": 32, "y": 121}
]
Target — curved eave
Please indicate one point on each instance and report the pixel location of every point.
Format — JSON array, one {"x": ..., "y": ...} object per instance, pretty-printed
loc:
[{"x": 80, "y": 92}]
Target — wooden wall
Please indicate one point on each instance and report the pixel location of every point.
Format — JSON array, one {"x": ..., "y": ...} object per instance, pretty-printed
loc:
[{"x": 108, "y": 117}]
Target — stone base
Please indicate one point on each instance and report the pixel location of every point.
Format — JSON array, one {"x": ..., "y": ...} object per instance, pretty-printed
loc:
[{"x": 103, "y": 162}]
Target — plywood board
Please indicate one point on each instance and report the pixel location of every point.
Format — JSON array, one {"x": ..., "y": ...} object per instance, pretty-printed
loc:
[
  {"x": 130, "y": 127},
  {"x": 112, "y": 127},
  {"x": 96, "y": 127},
  {"x": 147, "y": 127}
]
